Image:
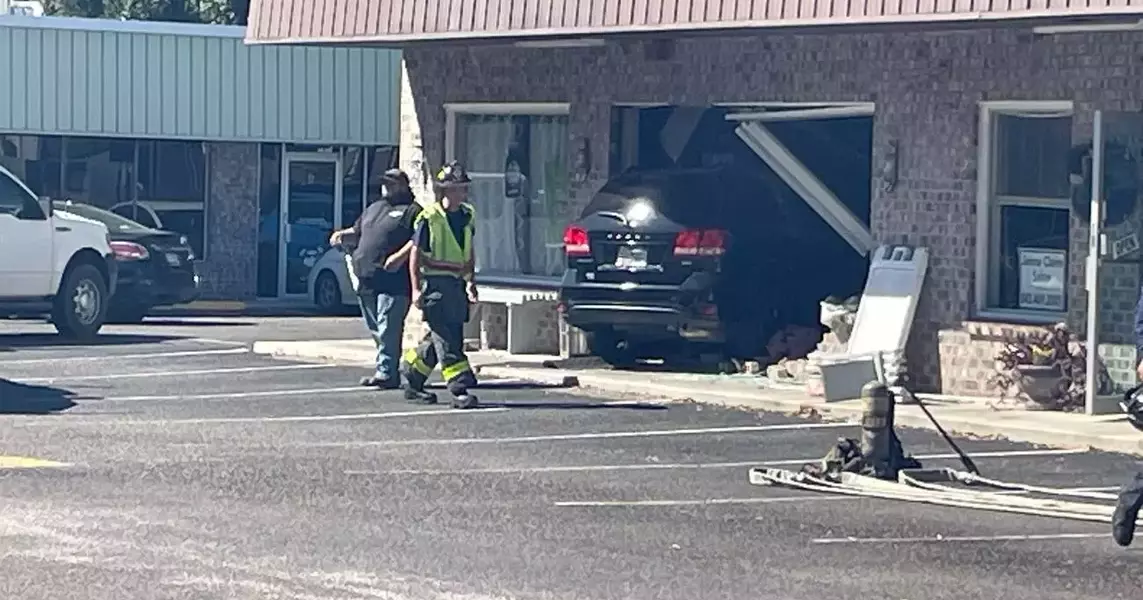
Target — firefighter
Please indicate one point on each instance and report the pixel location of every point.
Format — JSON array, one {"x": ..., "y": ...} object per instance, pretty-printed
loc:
[
  {"x": 1131, "y": 494},
  {"x": 441, "y": 272}
]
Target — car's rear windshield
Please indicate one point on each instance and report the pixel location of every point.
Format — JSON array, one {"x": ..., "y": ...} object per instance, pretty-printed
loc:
[
  {"x": 689, "y": 199},
  {"x": 112, "y": 221}
]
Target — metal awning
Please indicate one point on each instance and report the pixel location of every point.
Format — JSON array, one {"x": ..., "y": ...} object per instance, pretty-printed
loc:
[{"x": 400, "y": 22}]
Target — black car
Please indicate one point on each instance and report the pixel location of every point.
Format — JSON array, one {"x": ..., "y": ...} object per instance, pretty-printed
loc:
[
  {"x": 156, "y": 268},
  {"x": 693, "y": 260}
]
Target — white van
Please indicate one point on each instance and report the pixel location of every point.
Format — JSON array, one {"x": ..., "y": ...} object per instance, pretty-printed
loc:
[{"x": 52, "y": 263}]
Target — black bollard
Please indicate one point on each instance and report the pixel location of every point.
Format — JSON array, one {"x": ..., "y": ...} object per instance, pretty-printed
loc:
[{"x": 877, "y": 437}]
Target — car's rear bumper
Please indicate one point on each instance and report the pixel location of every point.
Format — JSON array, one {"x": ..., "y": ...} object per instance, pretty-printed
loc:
[
  {"x": 144, "y": 285},
  {"x": 645, "y": 310},
  {"x": 650, "y": 321}
]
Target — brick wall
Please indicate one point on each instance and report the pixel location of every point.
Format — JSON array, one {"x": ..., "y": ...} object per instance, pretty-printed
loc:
[
  {"x": 230, "y": 269},
  {"x": 926, "y": 88}
]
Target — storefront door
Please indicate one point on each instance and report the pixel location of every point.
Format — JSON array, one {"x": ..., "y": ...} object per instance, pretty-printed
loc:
[
  {"x": 310, "y": 211},
  {"x": 1106, "y": 190}
]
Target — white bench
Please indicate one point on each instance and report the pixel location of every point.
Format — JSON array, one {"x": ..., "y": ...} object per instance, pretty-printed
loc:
[{"x": 530, "y": 301}]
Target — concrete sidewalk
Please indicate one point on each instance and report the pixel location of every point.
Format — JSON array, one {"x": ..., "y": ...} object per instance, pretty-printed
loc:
[{"x": 973, "y": 419}]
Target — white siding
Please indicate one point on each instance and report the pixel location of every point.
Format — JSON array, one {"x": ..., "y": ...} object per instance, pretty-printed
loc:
[{"x": 160, "y": 80}]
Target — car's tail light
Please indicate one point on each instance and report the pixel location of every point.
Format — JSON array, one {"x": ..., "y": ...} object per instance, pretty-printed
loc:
[
  {"x": 129, "y": 251},
  {"x": 704, "y": 242},
  {"x": 576, "y": 242}
]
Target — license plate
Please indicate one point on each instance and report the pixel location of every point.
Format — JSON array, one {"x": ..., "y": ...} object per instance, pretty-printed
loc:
[
  {"x": 631, "y": 258},
  {"x": 173, "y": 259}
]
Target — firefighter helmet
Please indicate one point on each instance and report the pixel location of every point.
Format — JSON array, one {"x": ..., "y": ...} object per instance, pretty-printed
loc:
[{"x": 451, "y": 175}]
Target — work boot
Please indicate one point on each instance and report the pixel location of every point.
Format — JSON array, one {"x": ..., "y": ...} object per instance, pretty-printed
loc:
[
  {"x": 383, "y": 383},
  {"x": 414, "y": 387},
  {"x": 1127, "y": 511},
  {"x": 465, "y": 402}
]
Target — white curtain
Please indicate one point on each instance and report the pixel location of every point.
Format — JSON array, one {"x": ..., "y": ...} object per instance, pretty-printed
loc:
[
  {"x": 485, "y": 142},
  {"x": 506, "y": 241},
  {"x": 549, "y": 179}
]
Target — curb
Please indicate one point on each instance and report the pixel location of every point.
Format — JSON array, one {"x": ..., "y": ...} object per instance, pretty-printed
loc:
[{"x": 760, "y": 400}]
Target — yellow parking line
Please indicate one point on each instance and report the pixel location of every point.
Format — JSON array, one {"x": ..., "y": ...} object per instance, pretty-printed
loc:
[{"x": 24, "y": 462}]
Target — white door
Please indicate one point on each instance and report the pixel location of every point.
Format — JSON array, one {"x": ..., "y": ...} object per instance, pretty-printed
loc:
[
  {"x": 310, "y": 212},
  {"x": 25, "y": 242}
]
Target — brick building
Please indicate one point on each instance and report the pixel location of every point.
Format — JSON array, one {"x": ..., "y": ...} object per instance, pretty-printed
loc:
[{"x": 983, "y": 124}]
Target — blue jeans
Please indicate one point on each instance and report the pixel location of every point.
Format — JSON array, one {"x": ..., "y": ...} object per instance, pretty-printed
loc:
[{"x": 385, "y": 317}]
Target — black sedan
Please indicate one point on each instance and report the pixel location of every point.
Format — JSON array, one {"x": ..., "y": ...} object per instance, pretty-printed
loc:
[{"x": 156, "y": 268}]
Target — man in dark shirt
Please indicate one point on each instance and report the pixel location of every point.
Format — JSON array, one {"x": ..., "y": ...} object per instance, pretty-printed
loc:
[{"x": 383, "y": 242}]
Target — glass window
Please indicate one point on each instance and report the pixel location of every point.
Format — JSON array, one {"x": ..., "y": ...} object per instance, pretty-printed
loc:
[
  {"x": 353, "y": 169},
  {"x": 1030, "y": 212},
  {"x": 98, "y": 171},
  {"x": 381, "y": 159},
  {"x": 518, "y": 164},
  {"x": 269, "y": 219},
  {"x": 1032, "y": 155},
  {"x": 35, "y": 160},
  {"x": 171, "y": 189}
]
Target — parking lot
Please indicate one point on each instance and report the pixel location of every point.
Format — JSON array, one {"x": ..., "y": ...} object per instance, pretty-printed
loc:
[{"x": 170, "y": 462}]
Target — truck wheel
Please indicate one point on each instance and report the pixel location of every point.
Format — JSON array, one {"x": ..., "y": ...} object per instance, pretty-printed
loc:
[{"x": 81, "y": 303}]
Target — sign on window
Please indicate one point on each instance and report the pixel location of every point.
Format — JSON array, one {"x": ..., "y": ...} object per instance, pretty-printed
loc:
[{"x": 1043, "y": 277}]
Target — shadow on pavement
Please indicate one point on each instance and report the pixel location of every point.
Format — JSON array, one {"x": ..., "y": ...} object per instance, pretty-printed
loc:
[
  {"x": 574, "y": 405},
  {"x": 51, "y": 340},
  {"x": 26, "y": 399},
  {"x": 494, "y": 384},
  {"x": 168, "y": 321}
]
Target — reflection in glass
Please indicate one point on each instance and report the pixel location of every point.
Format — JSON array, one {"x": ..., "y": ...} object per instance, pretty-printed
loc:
[
  {"x": 36, "y": 160},
  {"x": 310, "y": 215},
  {"x": 269, "y": 219},
  {"x": 171, "y": 188},
  {"x": 1033, "y": 258},
  {"x": 353, "y": 165}
]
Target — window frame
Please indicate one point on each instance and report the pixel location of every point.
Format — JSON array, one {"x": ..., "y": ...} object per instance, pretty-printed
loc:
[
  {"x": 505, "y": 109},
  {"x": 989, "y": 205}
]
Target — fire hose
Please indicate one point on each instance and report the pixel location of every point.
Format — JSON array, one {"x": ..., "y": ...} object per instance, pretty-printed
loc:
[{"x": 881, "y": 470}]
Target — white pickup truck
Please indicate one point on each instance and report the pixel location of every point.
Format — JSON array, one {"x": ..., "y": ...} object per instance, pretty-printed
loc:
[{"x": 52, "y": 263}]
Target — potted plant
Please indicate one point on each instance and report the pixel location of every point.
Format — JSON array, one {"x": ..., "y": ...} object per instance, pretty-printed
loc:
[{"x": 1047, "y": 370}]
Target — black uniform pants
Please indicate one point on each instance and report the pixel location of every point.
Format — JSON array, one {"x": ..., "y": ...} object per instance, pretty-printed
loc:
[
  {"x": 444, "y": 304},
  {"x": 1127, "y": 510}
]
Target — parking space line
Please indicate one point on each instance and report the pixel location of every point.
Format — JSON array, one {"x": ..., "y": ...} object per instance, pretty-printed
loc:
[
  {"x": 70, "y": 359},
  {"x": 240, "y": 395},
  {"x": 970, "y": 538},
  {"x": 704, "y": 502},
  {"x": 581, "y": 436},
  {"x": 24, "y": 462},
  {"x": 298, "y": 419},
  {"x": 682, "y": 466},
  {"x": 183, "y": 373}
]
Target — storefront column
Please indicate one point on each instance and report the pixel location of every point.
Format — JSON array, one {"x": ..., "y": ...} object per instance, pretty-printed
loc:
[{"x": 230, "y": 269}]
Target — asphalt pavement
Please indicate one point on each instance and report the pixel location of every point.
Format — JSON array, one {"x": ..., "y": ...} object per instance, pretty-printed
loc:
[{"x": 170, "y": 462}]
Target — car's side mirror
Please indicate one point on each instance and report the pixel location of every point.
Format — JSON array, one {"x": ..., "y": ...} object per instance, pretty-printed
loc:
[{"x": 46, "y": 205}]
